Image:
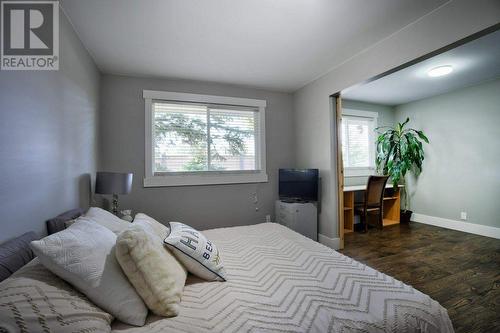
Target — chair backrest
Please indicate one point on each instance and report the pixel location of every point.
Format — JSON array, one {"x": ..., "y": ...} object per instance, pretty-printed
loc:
[{"x": 375, "y": 190}]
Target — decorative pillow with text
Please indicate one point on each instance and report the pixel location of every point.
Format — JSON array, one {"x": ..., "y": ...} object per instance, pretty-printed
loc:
[{"x": 198, "y": 254}]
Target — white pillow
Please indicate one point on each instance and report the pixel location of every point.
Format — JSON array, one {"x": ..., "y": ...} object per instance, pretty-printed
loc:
[
  {"x": 154, "y": 272},
  {"x": 200, "y": 256},
  {"x": 107, "y": 219},
  {"x": 84, "y": 256},
  {"x": 151, "y": 225}
]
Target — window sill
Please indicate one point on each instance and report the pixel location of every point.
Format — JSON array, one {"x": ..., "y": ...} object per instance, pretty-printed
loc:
[
  {"x": 205, "y": 179},
  {"x": 359, "y": 172}
]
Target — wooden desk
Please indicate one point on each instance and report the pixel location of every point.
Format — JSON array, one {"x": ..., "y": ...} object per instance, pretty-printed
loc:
[{"x": 392, "y": 205}]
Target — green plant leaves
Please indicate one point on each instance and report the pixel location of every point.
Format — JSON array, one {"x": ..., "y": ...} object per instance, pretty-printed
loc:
[
  {"x": 422, "y": 136},
  {"x": 400, "y": 150}
]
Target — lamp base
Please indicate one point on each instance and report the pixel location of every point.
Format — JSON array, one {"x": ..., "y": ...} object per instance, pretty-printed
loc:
[{"x": 115, "y": 204}]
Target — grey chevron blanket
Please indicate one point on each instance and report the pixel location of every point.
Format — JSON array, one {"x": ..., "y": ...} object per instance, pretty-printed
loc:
[{"x": 280, "y": 281}]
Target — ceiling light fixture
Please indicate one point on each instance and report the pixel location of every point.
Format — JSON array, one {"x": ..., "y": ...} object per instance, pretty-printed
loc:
[{"x": 440, "y": 71}]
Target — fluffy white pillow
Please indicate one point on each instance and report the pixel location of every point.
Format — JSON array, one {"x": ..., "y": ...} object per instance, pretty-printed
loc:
[
  {"x": 84, "y": 256},
  {"x": 151, "y": 225},
  {"x": 107, "y": 219},
  {"x": 199, "y": 255},
  {"x": 154, "y": 272}
]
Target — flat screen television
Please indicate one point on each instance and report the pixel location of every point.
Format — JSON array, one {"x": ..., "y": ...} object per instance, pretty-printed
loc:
[{"x": 298, "y": 184}]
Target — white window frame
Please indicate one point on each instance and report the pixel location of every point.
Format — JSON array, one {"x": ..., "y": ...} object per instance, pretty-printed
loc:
[
  {"x": 363, "y": 171},
  {"x": 203, "y": 177}
]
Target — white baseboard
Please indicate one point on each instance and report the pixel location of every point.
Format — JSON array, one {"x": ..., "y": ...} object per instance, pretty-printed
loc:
[
  {"x": 333, "y": 243},
  {"x": 471, "y": 228}
]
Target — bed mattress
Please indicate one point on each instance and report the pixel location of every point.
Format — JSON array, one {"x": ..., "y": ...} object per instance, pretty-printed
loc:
[{"x": 281, "y": 281}]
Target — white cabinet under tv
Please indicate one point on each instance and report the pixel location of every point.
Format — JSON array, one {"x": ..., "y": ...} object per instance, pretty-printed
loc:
[{"x": 301, "y": 217}]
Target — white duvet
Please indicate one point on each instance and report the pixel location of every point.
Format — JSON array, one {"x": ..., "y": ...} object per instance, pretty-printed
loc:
[{"x": 280, "y": 281}]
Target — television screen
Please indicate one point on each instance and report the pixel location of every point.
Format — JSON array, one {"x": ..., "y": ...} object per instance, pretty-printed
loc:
[{"x": 298, "y": 184}]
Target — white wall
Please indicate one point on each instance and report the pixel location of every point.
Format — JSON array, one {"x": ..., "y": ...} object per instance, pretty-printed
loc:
[
  {"x": 460, "y": 170},
  {"x": 315, "y": 134}
]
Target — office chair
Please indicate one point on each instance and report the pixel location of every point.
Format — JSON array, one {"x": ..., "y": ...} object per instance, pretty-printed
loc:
[{"x": 374, "y": 200}]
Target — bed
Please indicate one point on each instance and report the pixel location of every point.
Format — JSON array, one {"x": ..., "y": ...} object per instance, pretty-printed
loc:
[{"x": 281, "y": 281}]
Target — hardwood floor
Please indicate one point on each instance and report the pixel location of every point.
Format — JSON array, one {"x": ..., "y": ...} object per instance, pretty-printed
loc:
[{"x": 459, "y": 270}]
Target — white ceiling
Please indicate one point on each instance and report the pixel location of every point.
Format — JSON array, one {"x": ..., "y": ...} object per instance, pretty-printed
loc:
[
  {"x": 474, "y": 62},
  {"x": 273, "y": 44}
]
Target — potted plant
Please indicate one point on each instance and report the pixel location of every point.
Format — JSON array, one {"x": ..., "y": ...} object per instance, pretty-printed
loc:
[{"x": 400, "y": 150}]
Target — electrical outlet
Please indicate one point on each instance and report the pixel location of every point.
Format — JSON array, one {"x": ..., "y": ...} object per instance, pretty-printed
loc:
[
  {"x": 268, "y": 218},
  {"x": 463, "y": 216}
]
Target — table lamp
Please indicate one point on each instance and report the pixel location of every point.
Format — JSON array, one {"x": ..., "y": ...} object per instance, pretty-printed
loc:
[{"x": 113, "y": 183}]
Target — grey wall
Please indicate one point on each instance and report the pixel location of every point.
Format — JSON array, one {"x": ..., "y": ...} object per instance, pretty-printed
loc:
[
  {"x": 315, "y": 135},
  {"x": 203, "y": 207},
  {"x": 462, "y": 161},
  {"x": 386, "y": 117},
  {"x": 48, "y": 123}
]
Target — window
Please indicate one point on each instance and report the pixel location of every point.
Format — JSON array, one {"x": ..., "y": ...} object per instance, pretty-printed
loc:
[
  {"x": 200, "y": 139},
  {"x": 358, "y": 142}
]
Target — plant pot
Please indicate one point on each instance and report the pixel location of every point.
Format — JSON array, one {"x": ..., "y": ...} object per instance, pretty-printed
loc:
[{"x": 405, "y": 216}]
